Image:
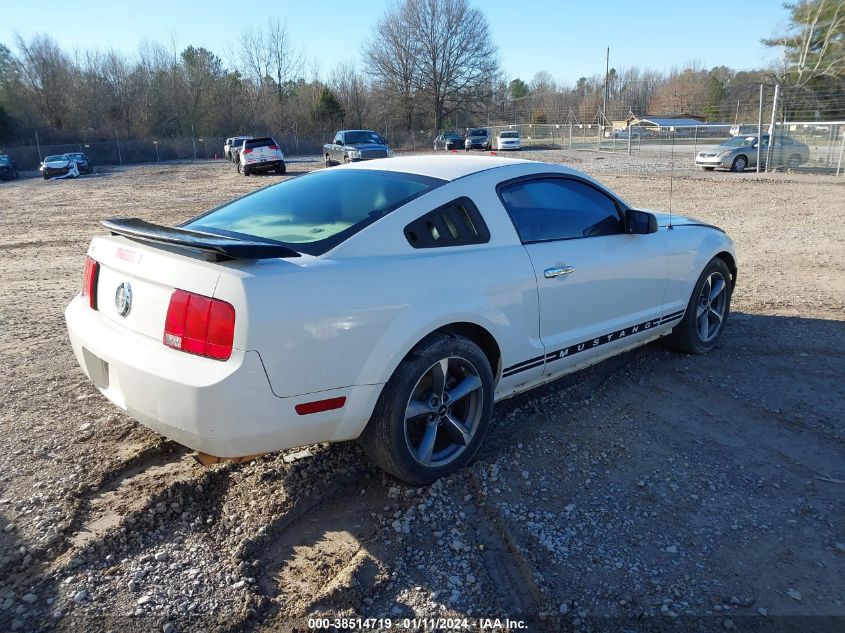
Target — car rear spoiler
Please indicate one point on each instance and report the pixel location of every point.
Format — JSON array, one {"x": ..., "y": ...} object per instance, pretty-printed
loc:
[{"x": 218, "y": 246}]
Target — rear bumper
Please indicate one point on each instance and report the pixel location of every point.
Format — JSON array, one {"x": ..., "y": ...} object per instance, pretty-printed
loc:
[
  {"x": 226, "y": 408},
  {"x": 266, "y": 165}
]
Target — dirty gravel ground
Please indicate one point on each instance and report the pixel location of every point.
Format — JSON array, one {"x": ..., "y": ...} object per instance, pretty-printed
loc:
[{"x": 653, "y": 489}]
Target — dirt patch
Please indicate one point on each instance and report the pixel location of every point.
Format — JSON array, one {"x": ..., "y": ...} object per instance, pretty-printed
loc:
[{"x": 653, "y": 487}]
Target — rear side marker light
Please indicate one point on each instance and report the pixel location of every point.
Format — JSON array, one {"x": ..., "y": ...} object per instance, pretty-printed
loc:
[
  {"x": 199, "y": 325},
  {"x": 319, "y": 406},
  {"x": 89, "y": 283}
]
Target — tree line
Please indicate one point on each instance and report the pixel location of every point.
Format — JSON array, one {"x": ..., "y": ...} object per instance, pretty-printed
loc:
[{"x": 427, "y": 65}]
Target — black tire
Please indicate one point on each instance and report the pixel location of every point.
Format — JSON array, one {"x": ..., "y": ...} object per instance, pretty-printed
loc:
[
  {"x": 346, "y": 160},
  {"x": 687, "y": 337},
  {"x": 385, "y": 439},
  {"x": 328, "y": 161},
  {"x": 238, "y": 166},
  {"x": 281, "y": 168},
  {"x": 46, "y": 177},
  {"x": 794, "y": 162},
  {"x": 740, "y": 163}
]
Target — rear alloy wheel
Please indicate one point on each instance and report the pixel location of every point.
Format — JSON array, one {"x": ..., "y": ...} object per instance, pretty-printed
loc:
[
  {"x": 433, "y": 412},
  {"x": 346, "y": 160},
  {"x": 707, "y": 311},
  {"x": 739, "y": 164}
]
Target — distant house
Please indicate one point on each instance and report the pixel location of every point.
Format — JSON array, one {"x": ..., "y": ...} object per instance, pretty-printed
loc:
[{"x": 665, "y": 122}]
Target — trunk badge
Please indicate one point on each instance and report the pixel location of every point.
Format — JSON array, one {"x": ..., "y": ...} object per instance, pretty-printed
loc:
[{"x": 123, "y": 298}]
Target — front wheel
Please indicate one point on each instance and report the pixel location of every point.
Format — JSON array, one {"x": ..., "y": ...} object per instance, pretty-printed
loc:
[
  {"x": 281, "y": 168},
  {"x": 739, "y": 164},
  {"x": 434, "y": 411},
  {"x": 707, "y": 311}
]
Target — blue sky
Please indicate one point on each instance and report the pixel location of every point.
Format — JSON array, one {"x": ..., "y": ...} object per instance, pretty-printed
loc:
[{"x": 566, "y": 38}]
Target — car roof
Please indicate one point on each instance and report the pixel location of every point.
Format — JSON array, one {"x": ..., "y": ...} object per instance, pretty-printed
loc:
[{"x": 445, "y": 167}]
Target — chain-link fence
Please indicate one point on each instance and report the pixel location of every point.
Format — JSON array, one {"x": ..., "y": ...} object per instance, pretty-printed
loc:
[
  {"x": 799, "y": 146},
  {"x": 126, "y": 152}
]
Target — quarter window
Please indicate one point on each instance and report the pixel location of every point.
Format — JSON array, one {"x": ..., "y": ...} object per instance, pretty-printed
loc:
[{"x": 549, "y": 209}]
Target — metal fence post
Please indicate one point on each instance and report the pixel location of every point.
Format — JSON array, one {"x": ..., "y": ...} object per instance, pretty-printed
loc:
[
  {"x": 760, "y": 126},
  {"x": 841, "y": 151}
]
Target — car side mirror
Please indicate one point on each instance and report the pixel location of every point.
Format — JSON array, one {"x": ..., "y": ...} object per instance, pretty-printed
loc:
[
  {"x": 337, "y": 142},
  {"x": 640, "y": 222}
]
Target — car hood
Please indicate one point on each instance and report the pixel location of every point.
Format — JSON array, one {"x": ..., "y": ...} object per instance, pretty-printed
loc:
[{"x": 677, "y": 220}]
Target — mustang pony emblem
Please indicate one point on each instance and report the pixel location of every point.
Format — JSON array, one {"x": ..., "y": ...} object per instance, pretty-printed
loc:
[{"x": 123, "y": 299}]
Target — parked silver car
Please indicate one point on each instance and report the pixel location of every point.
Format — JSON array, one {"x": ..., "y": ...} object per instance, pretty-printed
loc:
[{"x": 740, "y": 152}]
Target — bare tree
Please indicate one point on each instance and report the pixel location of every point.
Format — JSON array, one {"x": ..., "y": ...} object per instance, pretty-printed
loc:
[
  {"x": 456, "y": 60},
  {"x": 353, "y": 93},
  {"x": 392, "y": 60}
]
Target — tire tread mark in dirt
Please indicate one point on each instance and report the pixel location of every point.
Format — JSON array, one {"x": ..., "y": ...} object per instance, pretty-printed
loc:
[
  {"x": 325, "y": 512},
  {"x": 517, "y": 591}
]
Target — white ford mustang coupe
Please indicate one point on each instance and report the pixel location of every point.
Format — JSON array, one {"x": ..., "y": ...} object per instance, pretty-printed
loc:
[{"x": 393, "y": 301}]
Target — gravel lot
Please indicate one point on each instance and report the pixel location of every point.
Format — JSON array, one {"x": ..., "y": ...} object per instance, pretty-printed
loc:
[{"x": 652, "y": 490}]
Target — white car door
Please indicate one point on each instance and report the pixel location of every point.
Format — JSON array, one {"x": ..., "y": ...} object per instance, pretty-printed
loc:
[{"x": 599, "y": 287}]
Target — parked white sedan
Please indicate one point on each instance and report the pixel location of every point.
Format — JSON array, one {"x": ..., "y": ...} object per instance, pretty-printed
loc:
[{"x": 392, "y": 301}]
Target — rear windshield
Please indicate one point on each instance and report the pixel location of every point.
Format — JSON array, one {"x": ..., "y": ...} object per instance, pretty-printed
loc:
[
  {"x": 508, "y": 134},
  {"x": 316, "y": 212},
  {"x": 260, "y": 142}
]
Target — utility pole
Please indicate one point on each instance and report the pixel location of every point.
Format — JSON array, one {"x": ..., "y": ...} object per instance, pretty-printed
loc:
[
  {"x": 760, "y": 125},
  {"x": 117, "y": 138}
]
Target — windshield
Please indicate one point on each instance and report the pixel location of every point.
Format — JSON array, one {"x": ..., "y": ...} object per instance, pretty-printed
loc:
[
  {"x": 453, "y": 137},
  {"x": 508, "y": 134},
  {"x": 740, "y": 141},
  {"x": 479, "y": 132},
  {"x": 318, "y": 211},
  {"x": 56, "y": 158},
  {"x": 77, "y": 156},
  {"x": 362, "y": 137}
]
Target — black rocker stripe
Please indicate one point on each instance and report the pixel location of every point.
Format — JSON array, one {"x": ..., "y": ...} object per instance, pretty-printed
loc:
[{"x": 591, "y": 343}]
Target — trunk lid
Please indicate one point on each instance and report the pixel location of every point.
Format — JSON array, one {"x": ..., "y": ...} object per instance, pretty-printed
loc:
[{"x": 151, "y": 274}]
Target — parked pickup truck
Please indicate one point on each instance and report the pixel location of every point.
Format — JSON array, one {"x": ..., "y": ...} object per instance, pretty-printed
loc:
[{"x": 354, "y": 145}]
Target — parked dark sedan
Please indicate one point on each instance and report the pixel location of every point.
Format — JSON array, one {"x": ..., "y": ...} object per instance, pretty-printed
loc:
[
  {"x": 83, "y": 163},
  {"x": 449, "y": 140},
  {"x": 8, "y": 169}
]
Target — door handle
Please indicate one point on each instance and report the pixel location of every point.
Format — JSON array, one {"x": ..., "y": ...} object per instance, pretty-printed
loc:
[{"x": 557, "y": 272}]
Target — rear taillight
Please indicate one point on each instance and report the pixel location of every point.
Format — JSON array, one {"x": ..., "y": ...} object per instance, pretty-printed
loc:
[
  {"x": 247, "y": 151},
  {"x": 273, "y": 147},
  {"x": 199, "y": 325},
  {"x": 89, "y": 283}
]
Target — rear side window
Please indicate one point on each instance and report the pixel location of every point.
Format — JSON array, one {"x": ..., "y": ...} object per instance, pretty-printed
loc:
[
  {"x": 456, "y": 223},
  {"x": 548, "y": 209},
  {"x": 316, "y": 212}
]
